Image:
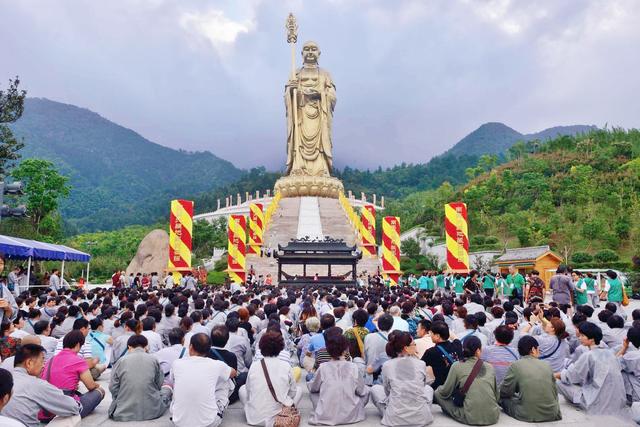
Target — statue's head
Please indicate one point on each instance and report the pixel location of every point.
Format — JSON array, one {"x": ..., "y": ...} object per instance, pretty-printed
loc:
[{"x": 310, "y": 52}]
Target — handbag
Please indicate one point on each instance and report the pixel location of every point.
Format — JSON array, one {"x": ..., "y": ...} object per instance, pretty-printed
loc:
[
  {"x": 459, "y": 394},
  {"x": 288, "y": 415}
]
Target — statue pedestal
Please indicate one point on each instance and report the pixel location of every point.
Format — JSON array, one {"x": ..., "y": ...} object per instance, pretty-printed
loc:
[{"x": 317, "y": 186}]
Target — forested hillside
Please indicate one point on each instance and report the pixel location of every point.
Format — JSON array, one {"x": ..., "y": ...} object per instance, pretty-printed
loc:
[
  {"x": 497, "y": 138},
  {"x": 579, "y": 194},
  {"x": 117, "y": 177}
]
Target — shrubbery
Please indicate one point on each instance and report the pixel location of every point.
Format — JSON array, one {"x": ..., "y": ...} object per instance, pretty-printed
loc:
[{"x": 606, "y": 256}]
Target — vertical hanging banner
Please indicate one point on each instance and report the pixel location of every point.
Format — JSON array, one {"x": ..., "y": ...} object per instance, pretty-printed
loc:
[
  {"x": 256, "y": 228},
  {"x": 368, "y": 229},
  {"x": 455, "y": 225},
  {"x": 237, "y": 248},
  {"x": 391, "y": 248},
  {"x": 180, "y": 229},
  {"x": 271, "y": 209}
]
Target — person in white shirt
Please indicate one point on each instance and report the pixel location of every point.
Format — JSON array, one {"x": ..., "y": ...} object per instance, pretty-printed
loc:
[
  {"x": 153, "y": 338},
  {"x": 169, "y": 321},
  {"x": 198, "y": 326},
  {"x": 18, "y": 324},
  {"x": 424, "y": 341},
  {"x": 399, "y": 324},
  {"x": 175, "y": 351},
  {"x": 168, "y": 281},
  {"x": 259, "y": 405},
  {"x": 42, "y": 329},
  {"x": 201, "y": 387}
]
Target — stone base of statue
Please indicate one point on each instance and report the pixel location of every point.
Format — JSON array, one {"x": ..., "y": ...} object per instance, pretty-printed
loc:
[{"x": 302, "y": 185}]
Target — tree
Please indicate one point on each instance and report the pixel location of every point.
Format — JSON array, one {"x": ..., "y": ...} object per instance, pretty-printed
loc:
[
  {"x": 44, "y": 187},
  {"x": 517, "y": 150},
  {"x": 207, "y": 236},
  {"x": 581, "y": 258},
  {"x": 410, "y": 248},
  {"x": 488, "y": 161},
  {"x": 11, "y": 108},
  {"x": 524, "y": 236},
  {"x": 606, "y": 255}
]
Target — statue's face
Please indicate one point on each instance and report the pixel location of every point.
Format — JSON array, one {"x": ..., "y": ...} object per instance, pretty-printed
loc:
[{"x": 310, "y": 53}]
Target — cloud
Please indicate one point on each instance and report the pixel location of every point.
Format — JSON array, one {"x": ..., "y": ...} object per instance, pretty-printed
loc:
[
  {"x": 216, "y": 27},
  {"x": 412, "y": 76}
]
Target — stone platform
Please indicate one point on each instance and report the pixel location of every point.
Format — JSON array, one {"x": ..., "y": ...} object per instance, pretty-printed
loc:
[
  {"x": 234, "y": 416},
  {"x": 315, "y": 186},
  {"x": 284, "y": 227}
]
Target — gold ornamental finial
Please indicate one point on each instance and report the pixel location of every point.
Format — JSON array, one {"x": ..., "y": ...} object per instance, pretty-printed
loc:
[{"x": 292, "y": 29}]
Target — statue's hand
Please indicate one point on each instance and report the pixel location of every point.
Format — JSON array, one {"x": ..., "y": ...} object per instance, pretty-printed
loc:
[
  {"x": 291, "y": 83},
  {"x": 312, "y": 93}
]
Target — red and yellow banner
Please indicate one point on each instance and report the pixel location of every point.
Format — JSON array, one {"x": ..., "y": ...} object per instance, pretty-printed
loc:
[
  {"x": 256, "y": 228},
  {"x": 180, "y": 229},
  {"x": 391, "y": 248},
  {"x": 368, "y": 230},
  {"x": 271, "y": 209},
  {"x": 455, "y": 225},
  {"x": 237, "y": 248},
  {"x": 353, "y": 217}
]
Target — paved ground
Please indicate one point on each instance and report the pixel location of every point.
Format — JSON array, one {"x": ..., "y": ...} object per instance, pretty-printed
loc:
[{"x": 234, "y": 416}]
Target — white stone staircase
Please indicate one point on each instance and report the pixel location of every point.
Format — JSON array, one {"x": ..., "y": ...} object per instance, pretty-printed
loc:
[{"x": 287, "y": 223}]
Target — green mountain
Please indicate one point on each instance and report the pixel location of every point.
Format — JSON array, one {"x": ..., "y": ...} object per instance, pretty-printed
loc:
[
  {"x": 497, "y": 138},
  {"x": 490, "y": 138},
  {"x": 118, "y": 176},
  {"x": 578, "y": 194}
]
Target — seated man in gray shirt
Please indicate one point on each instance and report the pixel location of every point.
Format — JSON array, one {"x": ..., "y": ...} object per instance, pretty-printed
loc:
[{"x": 32, "y": 394}]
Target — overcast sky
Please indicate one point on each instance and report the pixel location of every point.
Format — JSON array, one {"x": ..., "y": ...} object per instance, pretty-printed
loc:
[{"x": 412, "y": 77}]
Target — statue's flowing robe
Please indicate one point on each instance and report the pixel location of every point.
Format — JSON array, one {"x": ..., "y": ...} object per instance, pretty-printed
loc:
[{"x": 309, "y": 146}]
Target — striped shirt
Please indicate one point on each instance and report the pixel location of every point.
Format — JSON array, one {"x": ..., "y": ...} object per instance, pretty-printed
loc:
[
  {"x": 85, "y": 351},
  {"x": 500, "y": 357}
]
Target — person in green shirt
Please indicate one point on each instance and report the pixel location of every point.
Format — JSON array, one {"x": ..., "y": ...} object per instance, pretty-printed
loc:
[
  {"x": 458, "y": 285},
  {"x": 580, "y": 289},
  {"x": 488, "y": 284},
  {"x": 516, "y": 282},
  {"x": 528, "y": 391},
  {"x": 422, "y": 282},
  {"x": 413, "y": 282},
  {"x": 440, "y": 280},
  {"x": 613, "y": 287},
  {"x": 431, "y": 283},
  {"x": 480, "y": 406}
]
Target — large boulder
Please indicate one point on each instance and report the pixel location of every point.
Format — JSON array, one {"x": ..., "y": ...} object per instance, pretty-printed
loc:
[{"x": 152, "y": 254}]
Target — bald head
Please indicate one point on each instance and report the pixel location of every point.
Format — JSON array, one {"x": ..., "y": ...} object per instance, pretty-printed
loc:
[{"x": 310, "y": 53}]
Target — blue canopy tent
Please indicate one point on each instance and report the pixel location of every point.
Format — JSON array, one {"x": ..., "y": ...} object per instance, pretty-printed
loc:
[{"x": 32, "y": 250}]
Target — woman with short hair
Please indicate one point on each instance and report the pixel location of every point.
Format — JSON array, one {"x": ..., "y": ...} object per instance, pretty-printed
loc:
[
  {"x": 67, "y": 369},
  {"x": 259, "y": 405},
  {"x": 337, "y": 390},
  {"x": 404, "y": 398},
  {"x": 552, "y": 337}
]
